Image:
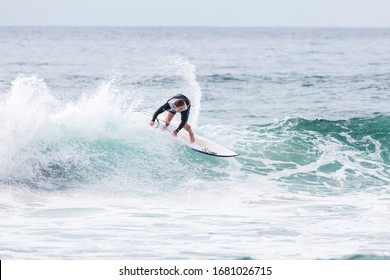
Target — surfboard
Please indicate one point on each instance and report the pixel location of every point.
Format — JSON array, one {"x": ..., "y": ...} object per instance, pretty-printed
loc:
[{"x": 201, "y": 144}]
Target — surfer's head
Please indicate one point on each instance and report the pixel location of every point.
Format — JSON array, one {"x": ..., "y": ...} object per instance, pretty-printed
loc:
[{"x": 180, "y": 105}]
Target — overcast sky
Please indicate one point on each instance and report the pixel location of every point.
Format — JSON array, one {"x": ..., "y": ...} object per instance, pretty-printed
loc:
[{"x": 301, "y": 13}]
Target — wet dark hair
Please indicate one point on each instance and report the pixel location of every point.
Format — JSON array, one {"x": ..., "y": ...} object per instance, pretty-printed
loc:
[{"x": 179, "y": 103}]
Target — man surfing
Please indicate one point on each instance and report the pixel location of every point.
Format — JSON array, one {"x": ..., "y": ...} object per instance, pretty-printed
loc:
[{"x": 176, "y": 104}]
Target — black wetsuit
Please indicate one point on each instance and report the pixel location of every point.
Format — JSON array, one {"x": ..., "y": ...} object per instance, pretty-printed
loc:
[{"x": 184, "y": 114}]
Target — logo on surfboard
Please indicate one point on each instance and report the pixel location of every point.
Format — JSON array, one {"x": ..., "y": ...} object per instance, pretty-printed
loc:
[{"x": 207, "y": 151}]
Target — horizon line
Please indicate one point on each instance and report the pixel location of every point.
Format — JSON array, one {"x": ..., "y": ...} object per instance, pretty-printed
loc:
[{"x": 193, "y": 26}]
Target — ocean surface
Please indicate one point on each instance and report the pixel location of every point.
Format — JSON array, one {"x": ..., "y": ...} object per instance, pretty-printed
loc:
[{"x": 84, "y": 176}]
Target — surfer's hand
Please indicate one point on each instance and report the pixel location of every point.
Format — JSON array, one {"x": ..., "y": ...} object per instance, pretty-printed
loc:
[
  {"x": 174, "y": 133},
  {"x": 151, "y": 123}
]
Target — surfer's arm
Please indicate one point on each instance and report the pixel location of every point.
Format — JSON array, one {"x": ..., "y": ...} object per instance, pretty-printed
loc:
[
  {"x": 160, "y": 110},
  {"x": 184, "y": 118}
]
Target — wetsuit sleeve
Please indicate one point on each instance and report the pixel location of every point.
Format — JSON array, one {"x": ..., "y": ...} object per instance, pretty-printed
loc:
[
  {"x": 184, "y": 119},
  {"x": 163, "y": 108}
]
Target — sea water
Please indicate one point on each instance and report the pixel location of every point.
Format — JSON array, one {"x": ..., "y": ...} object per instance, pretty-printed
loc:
[{"x": 83, "y": 176}]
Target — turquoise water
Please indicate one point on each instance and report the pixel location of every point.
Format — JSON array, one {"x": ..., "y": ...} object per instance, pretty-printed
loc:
[{"x": 83, "y": 175}]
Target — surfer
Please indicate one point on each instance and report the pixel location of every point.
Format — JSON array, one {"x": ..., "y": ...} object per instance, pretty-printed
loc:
[{"x": 176, "y": 104}]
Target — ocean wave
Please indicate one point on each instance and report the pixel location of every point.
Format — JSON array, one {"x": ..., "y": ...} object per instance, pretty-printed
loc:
[
  {"x": 96, "y": 140},
  {"x": 102, "y": 140},
  {"x": 320, "y": 155}
]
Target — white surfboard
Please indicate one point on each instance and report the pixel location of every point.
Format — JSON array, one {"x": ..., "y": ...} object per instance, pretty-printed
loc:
[{"x": 201, "y": 144}]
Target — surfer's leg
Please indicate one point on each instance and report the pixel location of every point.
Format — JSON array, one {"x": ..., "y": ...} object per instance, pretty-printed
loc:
[
  {"x": 168, "y": 119},
  {"x": 184, "y": 118},
  {"x": 189, "y": 129}
]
